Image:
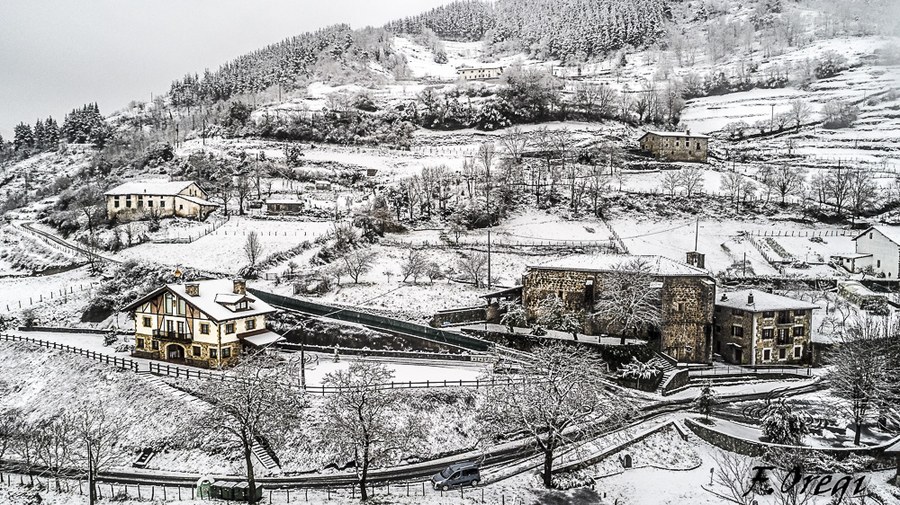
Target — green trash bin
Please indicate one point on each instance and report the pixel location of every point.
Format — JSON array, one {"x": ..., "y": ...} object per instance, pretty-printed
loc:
[
  {"x": 223, "y": 490},
  {"x": 242, "y": 489}
]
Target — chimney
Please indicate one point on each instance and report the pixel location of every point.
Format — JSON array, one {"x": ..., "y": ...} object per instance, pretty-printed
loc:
[
  {"x": 240, "y": 287},
  {"x": 750, "y": 299},
  {"x": 688, "y": 133},
  {"x": 192, "y": 289},
  {"x": 696, "y": 259},
  {"x": 724, "y": 297}
]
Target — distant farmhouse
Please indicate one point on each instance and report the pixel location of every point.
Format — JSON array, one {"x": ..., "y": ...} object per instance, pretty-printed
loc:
[
  {"x": 202, "y": 323},
  {"x": 137, "y": 200},
  {"x": 687, "y": 294},
  {"x": 754, "y": 327},
  {"x": 479, "y": 73},
  {"x": 878, "y": 249},
  {"x": 676, "y": 146},
  {"x": 283, "y": 206}
]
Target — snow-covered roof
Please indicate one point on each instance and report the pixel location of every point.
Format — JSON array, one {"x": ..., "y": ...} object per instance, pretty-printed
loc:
[
  {"x": 851, "y": 256},
  {"x": 263, "y": 339},
  {"x": 283, "y": 201},
  {"x": 495, "y": 67},
  {"x": 762, "y": 301},
  {"x": 156, "y": 188},
  {"x": 198, "y": 201},
  {"x": 676, "y": 134},
  {"x": 658, "y": 265},
  {"x": 891, "y": 232},
  {"x": 212, "y": 299}
]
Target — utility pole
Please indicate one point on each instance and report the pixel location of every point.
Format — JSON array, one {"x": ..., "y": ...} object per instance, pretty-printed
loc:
[{"x": 696, "y": 233}]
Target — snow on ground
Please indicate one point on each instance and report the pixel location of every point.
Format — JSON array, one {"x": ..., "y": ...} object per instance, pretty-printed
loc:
[
  {"x": 29, "y": 290},
  {"x": 404, "y": 369},
  {"x": 223, "y": 250}
]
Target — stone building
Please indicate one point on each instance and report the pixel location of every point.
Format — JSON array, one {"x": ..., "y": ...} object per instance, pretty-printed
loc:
[
  {"x": 479, "y": 73},
  {"x": 202, "y": 323},
  {"x": 676, "y": 146},
  {"x": 686, "y": 297},
  {"x": 753, "y": 327},
  {"x": 282, "y": 206},
  {"x": 138, "y": 200}
]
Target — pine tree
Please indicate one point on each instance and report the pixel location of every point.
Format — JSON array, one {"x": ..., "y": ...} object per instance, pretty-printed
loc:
[
  {"x": 24, "y": 137},
  {"x": 39, "y": 134},
  {"x": 707, "y": 400}
]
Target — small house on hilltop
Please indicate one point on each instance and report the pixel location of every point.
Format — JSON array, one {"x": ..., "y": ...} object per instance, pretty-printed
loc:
[
  {"x": 138, "y": 200},
  {"x": 200, "y": 323},
  {"x": 753, "y": 327},
  {"x": 676, "y": 146},
  {"x": 686, "y": 296}
]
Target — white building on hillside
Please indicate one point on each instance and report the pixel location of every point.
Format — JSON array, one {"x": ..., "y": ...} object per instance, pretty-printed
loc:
[
  {"x": 877, "y": 247},
  {"x": 138, "y": 200}
]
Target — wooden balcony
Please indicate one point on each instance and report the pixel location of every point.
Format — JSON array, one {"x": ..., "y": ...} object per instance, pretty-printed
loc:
[{"x": 172, "y": 335}]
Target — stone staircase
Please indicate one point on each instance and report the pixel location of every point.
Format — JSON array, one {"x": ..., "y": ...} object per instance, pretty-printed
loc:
[
  {"x": 668, "y": 370},
  {"x": 264, "y": 455}
]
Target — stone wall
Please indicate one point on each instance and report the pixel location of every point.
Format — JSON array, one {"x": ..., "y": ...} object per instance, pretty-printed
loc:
[
  {"x": 676, "y": 148},
  {"x": 458, "y": 316},
  {"x": 753, "y": 324}
]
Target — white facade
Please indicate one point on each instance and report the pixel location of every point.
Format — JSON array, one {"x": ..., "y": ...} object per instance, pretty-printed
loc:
[{"x": 883, "y": 243}]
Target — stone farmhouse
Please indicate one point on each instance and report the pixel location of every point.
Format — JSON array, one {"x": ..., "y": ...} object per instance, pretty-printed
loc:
[
  {"x": 201, "y": 323},
  {"x": 687, "y": 294},
  {"x": 753, "y": 327},
  {"x": 878, "y": 248},
  {"x": 675, "y": 146},
  {"x": 138, "y": 200},
  {"x": 480, "y": 73}
]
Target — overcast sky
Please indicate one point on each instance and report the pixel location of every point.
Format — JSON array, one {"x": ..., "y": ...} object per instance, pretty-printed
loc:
[{"x": 58, "y": 54}]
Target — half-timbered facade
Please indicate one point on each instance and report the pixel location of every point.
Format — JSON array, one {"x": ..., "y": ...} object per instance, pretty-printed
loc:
[{"x": 202, "y": 323}]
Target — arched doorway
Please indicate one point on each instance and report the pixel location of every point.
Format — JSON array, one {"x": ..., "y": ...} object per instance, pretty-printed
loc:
[{"x": 174, "y": 352}]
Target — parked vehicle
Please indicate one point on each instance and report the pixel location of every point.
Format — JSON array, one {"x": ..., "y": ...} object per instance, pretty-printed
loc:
[{"x": 457, "y": 475}]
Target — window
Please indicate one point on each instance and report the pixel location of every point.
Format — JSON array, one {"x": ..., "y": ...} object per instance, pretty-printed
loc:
[
  {"x": 767, "y": 354},
  {"x": 242, "y": 306},
  {"x": 737, "y": 312},
  {"x": 155, "y": 345},
  {"x": 150, "y": 203},
  {"x": 870, "y": 236},
  {"x": 181, "y": 307},
  {"x": 116, "y": 202},
  {"x": 784, "y": 317},
  {"x": 799, "y": 331},
  {"x": 782, "y": 336},
  {"x": 162, "y": 203},
  {"x": 251, "y": 324},
  {"x": 877, "y": 263},
  {"x": 768, "y": 314},
  {"x": 800, "y": 313},
  {"x": 146, "y": 322},
  {"x": 204, "y": 328},
  {"x": 229, "y": 327},
  {"x": 737, "y": 331},
  {"x": 768, "y": 333},
  {"x": 213, "y": 353},
  {"x": 139, "y": 343},
  {"x": 782, "y": 353},
  {"x": 180, "y": 207},
  {"x": 798, "y": 351},
  {"x": 680, "y": 306},
  {"x": 169, "y": 301},
  {"x": 226, "y": 352},
  {"x": 197, "y": 351}
]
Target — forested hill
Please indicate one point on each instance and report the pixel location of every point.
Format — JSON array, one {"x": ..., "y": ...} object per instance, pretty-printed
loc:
[
  {"x": 570, "y": 30},
  {"x": 327, "y": 54}
]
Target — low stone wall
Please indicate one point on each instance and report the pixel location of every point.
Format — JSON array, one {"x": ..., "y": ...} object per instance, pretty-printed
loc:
[
  {"x": 676, "y": 381},
  {"x": 291, "y": 346},
  {"x": 757, "y": 448},
  {"x": 52, "y": 329},
  {"x": 458, "y": 316}
]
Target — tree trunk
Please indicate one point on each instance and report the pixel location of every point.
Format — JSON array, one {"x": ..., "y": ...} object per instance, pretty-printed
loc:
[
  {"x": 547, "y": 472},
  {"x": 364, "y": 474},
  {"x": 248, "y": 459},
  {"x": 858, "y": 434}
]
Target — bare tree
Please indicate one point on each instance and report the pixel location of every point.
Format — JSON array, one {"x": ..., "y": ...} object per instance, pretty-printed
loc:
[
  {"x": 558, "y": 397},
  {"x": 473, "y": 267},
  {"x": 838, "y": 184},
  {"x": 671, "y": 182},
  {"x": 515, "y": 142},
  {"x": 242, "y": 189},
  {"x": 691, "y": 179},
  {"x": 265, "y": 396},
  {"x": 99, "y": 432},
  {"x": 862, "y": 191},
  {"x": 9, "y": 420},
  {"x": 799, "y": 112},
  {"x": 362, "y": 421},
  {"x": 252, "y": 248},
  {"x": 629, "y": 300},
  {"x": 735, "y": 473},
  {"x": 358, "y": 263},
  {"x": 860, "y": 372},
  {"x": 787, "y": 180},
  {"x": 413, "y": 264},
  {"x": 56, "y": 444}
]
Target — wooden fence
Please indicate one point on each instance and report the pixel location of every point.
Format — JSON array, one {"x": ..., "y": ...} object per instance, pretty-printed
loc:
[
  {"x": 55, "y": 294},
  {"x": 123, "y": 363}
]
